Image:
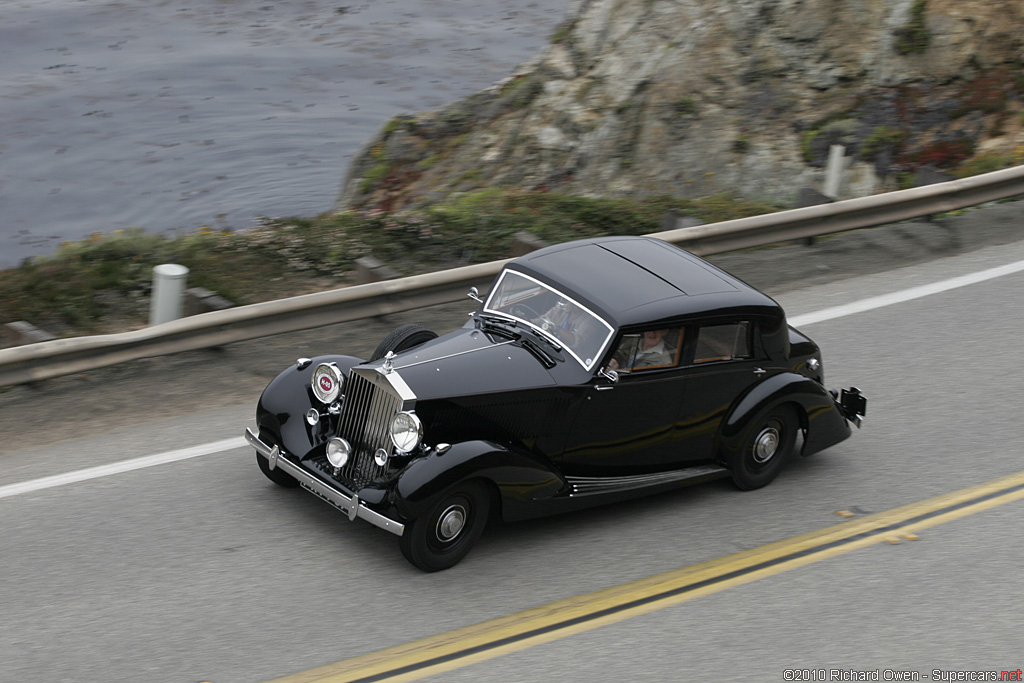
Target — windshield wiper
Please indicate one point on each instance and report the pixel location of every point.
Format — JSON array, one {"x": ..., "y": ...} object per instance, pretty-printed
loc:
[
  {"x": 548, "y": 337},
  {"x": 498, "y": 319},
  {"x": 539, "y": 353},
  {"x": 499, "y": 324}
]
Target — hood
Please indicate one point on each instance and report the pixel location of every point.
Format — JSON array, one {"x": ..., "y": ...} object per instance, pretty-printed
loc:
[{"x": 469, "y": 361}]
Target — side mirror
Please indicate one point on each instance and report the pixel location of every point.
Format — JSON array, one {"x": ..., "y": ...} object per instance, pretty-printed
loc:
[
  {"x": 610, "y": 375},
  {"x": 474, "y": 294}
]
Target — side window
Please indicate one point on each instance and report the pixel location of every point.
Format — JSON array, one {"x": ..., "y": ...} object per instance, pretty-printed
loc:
[
  {"x": 722, "y": 342},
  {"x": 648, "y": 350}
]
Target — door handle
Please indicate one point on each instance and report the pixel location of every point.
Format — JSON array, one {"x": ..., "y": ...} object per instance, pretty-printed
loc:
[{"x": 759, "y": 371}]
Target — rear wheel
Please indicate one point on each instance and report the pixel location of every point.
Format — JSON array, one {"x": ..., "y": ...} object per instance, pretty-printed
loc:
[
  {"x": 767, "y": 445},
  {"x": 402, "y": 339},
  {"x": 442, "y": 537}
]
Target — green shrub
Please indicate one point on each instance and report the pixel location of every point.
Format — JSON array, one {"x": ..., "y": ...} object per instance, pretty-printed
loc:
[
  {"x": 984, "y": 163},
  {"x": 881, "y": 138},
  {"x": 377, "y": 173},
  {"x": 913, "y": 37}
]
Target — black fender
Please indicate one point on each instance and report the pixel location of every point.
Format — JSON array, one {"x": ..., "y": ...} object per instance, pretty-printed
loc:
[
  {"x": 281, "y": 411},
  {"x": 519, "y": 477},
  {"x": 821, "y": 420}
]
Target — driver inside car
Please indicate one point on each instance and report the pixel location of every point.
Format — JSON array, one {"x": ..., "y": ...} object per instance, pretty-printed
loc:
[
  {"x": 567, "y": 322},
  {"x": 650, "y": 352}
]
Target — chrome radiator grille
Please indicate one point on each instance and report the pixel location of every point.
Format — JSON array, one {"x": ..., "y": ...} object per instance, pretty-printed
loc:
[{"x": 369, "y": 406}]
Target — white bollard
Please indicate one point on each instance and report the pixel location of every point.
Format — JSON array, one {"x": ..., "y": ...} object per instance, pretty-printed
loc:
[
  {"x": 834, "y": 170},
  {"x": 168, "y": 293}
]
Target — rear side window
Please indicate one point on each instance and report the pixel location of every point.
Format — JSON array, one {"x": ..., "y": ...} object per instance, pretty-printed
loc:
[{"x": 722, "y": 342}]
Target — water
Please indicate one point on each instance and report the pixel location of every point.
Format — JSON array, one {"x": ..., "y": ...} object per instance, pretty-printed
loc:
[{"x": 174, "y": 114}]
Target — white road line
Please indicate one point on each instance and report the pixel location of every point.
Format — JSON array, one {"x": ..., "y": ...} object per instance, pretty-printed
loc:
[
  {"x": 904, "y": 295},
  {"x": 123, "y": 466},
  {"x": 238, "y": 442}
]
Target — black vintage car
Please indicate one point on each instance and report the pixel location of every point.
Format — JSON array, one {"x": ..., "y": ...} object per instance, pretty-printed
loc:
[{"x": 594, "y": 371}]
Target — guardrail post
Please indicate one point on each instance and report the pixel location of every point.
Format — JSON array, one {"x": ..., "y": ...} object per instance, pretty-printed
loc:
[
  {"x": 928, "y": 175},
  {"x": 673, "y": 220},
  {"x": 21, "y": 332},
  {"x": 834, "y": 170},
  {"x": 808, "y": 196},
  {"x": 370, "y": 269},
  {"x": 200, "y": 300},
  {"x": 168, "y": 293}
]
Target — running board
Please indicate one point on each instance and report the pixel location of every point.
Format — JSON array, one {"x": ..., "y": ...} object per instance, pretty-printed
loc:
[{"x": 588, "y": 486}]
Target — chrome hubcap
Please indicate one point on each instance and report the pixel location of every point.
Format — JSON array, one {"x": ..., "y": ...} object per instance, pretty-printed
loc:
[
  {"x": 765, "y": 445},
  {"x": 451, "y": 522}
]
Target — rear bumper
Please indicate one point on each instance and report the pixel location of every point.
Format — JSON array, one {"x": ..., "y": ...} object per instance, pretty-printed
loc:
[
  {"x": 853, "y": 405},
  {"x": 324, "y": 490}
]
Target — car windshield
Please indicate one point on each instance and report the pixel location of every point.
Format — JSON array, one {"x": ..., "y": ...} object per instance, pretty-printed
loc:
[{"x": 527, "y": 300}]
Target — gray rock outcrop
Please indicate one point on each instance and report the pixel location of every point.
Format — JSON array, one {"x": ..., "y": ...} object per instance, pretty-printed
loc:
[{"x": 696, "y": 97}]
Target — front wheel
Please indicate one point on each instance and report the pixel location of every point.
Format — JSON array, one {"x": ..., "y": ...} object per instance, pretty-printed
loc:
[
  {"x": 442, "y": 537},
  {"x": 767, "y": 445}
]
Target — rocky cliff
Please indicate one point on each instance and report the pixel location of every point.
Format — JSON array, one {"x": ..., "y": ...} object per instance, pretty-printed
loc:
[{"x": 696, "y": 97}]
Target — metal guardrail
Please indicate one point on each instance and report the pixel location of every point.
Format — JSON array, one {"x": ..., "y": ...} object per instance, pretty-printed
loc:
[
  {"x": 34, "y": 362},
  {"x": 863, "y": 212},
  {"x": 44, "y": 360}
]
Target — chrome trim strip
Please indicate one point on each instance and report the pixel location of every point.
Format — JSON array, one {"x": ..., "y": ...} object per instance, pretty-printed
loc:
[
  {"x": 323, "y": 490},
  {"x": 452, "y": 355},
  {"x": 588, "y": 486}
]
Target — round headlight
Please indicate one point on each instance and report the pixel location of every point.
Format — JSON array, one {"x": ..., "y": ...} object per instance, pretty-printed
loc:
[
  {"x": 327, "y": 382},
  {"x": 338, "y": 451},
  {"x": 406, "y": 431}
]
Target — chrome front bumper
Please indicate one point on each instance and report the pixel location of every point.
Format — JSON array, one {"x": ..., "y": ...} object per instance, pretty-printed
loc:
[{"x": 350, "y": 505}]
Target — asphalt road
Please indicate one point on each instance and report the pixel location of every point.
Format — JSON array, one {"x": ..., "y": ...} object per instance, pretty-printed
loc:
[{"x": 201, "y": 570}]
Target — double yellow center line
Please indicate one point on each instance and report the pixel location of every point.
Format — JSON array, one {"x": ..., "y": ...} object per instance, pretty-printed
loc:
[{"x": 563, "y": 618}]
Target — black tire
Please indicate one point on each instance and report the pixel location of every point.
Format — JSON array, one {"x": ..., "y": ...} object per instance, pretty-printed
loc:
[
  {"x": 276, "y": 475},
  {"x": 767, "y": 445},
  {"x": 402, "y": 339},
  {"x": 442, "y": 537}
]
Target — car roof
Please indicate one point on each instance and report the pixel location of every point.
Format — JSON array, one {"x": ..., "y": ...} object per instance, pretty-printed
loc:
[{"x": 634, "y": 280}]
